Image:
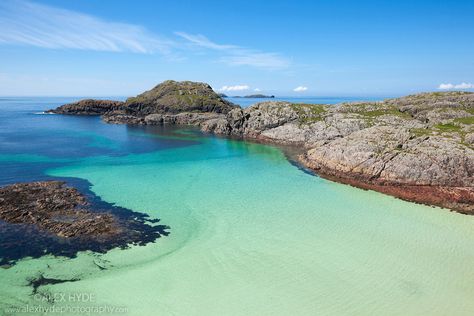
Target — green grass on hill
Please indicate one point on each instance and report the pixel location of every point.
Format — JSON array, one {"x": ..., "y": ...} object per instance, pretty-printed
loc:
[{"x": 309, "y": 113}]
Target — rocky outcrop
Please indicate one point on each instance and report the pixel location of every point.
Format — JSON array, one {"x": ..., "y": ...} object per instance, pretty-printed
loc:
[
  {"x": 253, "y": 121},
  {"x": 49, "y": 217},
  {"x": 418, "y": 147},
  {"x": 391, "y": 160},
  {"x": 88, "y": 107},
  {"x": 171, "y": 102},
  {"x": 420, "y": 106}
]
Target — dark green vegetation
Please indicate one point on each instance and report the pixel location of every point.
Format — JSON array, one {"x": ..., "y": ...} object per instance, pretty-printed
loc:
[
  {"x": 168, "y": 97},
  {"x": 309, "y": 113},
  {"x": 176, "y": 97}
]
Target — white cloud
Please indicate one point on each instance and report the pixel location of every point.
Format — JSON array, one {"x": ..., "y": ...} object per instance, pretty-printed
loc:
[
  {"x": 28, "y": 23},
  {"x": 464, "y": 86},
  {"x": 450, "y": 86},
  {"x": 446, "y": 86},
  {"x": 259, "y": 60},
  {"x": 234, "y": 88},
  {"x": 23, "y": 22},
  {"x": 201, "y": 40},
  {"x": 257, "y": 90},
  {"x": 300, "y": 89},
  {"x": 239, "y": 56}
]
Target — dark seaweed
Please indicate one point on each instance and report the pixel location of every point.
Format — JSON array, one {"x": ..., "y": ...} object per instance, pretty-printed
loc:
[{"x": 18, "y": 241}]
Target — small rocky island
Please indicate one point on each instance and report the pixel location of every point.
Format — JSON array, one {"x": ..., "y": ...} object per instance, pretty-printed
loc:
[
  {"x": 169, "y": 102},
  {"x": 256, "y": 96},
  {"x": 62, "y": 221},
  {"x": 419, "y": 148}
]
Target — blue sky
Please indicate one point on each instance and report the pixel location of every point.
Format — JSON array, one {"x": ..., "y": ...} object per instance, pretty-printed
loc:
[{"x": 304, "y": 48}]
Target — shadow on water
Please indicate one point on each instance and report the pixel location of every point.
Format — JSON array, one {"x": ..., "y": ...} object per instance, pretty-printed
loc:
[
  {"x": 35, "y": 143},
  {"x": 18, "y": 241}
]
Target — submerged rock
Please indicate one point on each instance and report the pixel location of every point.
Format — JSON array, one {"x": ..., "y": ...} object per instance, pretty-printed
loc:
[
  {"x": 56, "y": 209},
  {"x": 54, "y": 218}
]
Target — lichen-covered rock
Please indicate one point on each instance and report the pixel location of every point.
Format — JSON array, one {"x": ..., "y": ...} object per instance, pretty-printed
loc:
[
  {"x": 434, "y": 161},
  {"x": 216, "y": 125},
  {"x": 119, "y": 117},
  {"x": 418, "y": 105},
  {"x": 365, "y": 152},
  {"x": 443, "y": 115},
  {"x": 392, "y": 155},
  {"x": 469, "y": 139},
  {"x": 267, "y": 115}
]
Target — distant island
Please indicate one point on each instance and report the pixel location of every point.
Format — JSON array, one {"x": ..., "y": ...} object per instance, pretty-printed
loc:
[
  {"x": 256, "y": 96},
  {"x": 419, "y": 148}
]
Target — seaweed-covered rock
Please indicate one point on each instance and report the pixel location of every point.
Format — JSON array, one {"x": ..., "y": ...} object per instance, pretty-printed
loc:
[
  {"x": 88, "y": 107},
  {"x": 49, "y": 217}
]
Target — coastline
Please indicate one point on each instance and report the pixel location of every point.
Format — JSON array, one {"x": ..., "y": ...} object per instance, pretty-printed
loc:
[
  {"x": 457, "y": 199},
  {"x": 248, "y": 199},
  {"x": 418, "y": 148}
]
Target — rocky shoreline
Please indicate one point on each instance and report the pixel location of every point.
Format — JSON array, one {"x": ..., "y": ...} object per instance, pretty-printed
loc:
[
  {"x": 49, "y": 217},
  {"x": 459, "y": 199},
  {"x": 419, "y": 148}
]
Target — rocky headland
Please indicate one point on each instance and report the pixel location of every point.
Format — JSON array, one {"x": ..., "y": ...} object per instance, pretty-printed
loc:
[
  {"x": 170, "y": 102},
  {"x": 419, "y": 148},
  {"x": 88, "y": 107}
]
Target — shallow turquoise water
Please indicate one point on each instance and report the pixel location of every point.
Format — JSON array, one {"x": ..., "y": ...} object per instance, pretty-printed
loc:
[{"x": 251, "y": 234}]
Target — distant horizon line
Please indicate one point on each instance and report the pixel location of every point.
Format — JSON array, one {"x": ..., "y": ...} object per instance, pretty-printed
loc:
[
  {"x": 322, "y": 96},
  {"x": 228, "y": 96},
  {"x": 388, "y": 95}
]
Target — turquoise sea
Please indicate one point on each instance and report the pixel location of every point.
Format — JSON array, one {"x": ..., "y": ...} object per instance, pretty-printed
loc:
[{"x": 251, "y": 233}]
